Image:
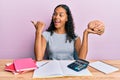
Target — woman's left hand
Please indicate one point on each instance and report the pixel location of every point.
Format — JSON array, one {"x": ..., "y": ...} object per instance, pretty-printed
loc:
[{"x": 96, "y": 27}]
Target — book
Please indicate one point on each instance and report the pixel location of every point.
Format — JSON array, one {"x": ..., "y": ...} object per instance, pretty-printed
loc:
[
  {"x": 25, "y": 64},
  {"x": 10, "y": 67},
  {"x": 103, "y": 67},
  {"x": 57, "y": 68}
]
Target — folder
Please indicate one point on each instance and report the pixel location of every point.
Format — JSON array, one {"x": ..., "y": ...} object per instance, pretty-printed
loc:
[{"x": 10, "y": 67}]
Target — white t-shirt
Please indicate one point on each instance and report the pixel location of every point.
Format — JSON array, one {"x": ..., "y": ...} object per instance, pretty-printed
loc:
[{"x": 57, "y": 47}]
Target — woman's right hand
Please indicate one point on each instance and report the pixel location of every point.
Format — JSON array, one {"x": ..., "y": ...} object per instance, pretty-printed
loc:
[{"x": 39, "y": 26}]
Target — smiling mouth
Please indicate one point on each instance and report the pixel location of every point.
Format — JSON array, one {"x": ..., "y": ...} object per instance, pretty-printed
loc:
[{"x": 56, "y": 21}]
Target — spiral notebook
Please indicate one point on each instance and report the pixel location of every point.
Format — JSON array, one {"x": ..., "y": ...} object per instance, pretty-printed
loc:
[{"x": 103, "y": 67}]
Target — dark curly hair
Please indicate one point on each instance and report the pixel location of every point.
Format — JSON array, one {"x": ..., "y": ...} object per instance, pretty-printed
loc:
[{"x": 69, "y": 25}]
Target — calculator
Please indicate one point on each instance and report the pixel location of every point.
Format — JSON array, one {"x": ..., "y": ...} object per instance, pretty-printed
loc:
[{"x": 78, "y": 65}]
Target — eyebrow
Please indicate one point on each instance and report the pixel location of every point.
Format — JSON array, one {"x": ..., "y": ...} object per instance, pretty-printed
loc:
[{"x": 58, "y": 12}]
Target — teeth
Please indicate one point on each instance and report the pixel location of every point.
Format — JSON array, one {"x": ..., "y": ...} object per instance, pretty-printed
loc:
[{"x": 57, "y": 21}]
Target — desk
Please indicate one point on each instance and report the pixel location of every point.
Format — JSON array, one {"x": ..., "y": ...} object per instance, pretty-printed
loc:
[{"x": 4, "y": 75}]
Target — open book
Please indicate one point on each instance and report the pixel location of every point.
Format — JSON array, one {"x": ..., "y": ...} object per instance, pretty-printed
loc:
[{"x": 56, "y": 68}]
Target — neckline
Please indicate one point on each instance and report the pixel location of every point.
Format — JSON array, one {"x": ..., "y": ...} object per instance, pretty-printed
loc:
[{"x": 59, "y": 34}]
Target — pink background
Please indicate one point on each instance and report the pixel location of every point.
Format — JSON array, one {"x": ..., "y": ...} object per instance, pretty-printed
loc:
[{"x": 17, "y": 34}]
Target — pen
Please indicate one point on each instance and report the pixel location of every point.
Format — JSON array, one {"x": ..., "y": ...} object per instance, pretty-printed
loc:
[{"x": 43, "y": 64}]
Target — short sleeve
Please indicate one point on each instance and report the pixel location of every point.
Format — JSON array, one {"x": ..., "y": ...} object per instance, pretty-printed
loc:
[
  {"x": 76, "y": 37},
  {"x": 46, "y": 35}
]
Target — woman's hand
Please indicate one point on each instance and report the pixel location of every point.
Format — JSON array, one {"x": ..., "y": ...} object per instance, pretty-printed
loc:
[
  {"x": 96, "y": 27},
  {"x": 90, "y": 31},
  {"x": 39, "y": 26}
]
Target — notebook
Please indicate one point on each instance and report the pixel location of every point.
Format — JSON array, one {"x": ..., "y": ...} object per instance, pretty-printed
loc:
[
  {"x": 24, "y": 64},
  {"x": 103, "y": 67},
  {"x": 48, "y": 69}
]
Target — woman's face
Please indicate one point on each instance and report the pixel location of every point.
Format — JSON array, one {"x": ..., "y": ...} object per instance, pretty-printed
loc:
[{"x": 59, "y": 17}]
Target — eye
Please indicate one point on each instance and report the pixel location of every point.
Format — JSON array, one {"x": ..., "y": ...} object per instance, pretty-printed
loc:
[
  {"x": 61, "y": 15},
  {"x": 54, "y": 14}
]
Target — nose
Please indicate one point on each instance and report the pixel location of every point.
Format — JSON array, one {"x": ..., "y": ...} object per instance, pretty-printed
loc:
[{"x": 56, "y": 16}]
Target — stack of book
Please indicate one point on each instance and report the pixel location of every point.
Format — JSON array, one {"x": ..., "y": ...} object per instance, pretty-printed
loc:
[{"x": 21, "y": 65}]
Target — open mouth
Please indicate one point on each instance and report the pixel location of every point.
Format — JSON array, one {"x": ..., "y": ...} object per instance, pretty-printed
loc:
[{"x": 57, "y": 21}]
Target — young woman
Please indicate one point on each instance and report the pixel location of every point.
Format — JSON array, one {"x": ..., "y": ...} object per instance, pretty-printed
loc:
[{"x": 59, "y": 41}]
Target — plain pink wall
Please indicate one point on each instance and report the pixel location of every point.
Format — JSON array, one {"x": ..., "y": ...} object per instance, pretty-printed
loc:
[{"x": 17, "y": 33}]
